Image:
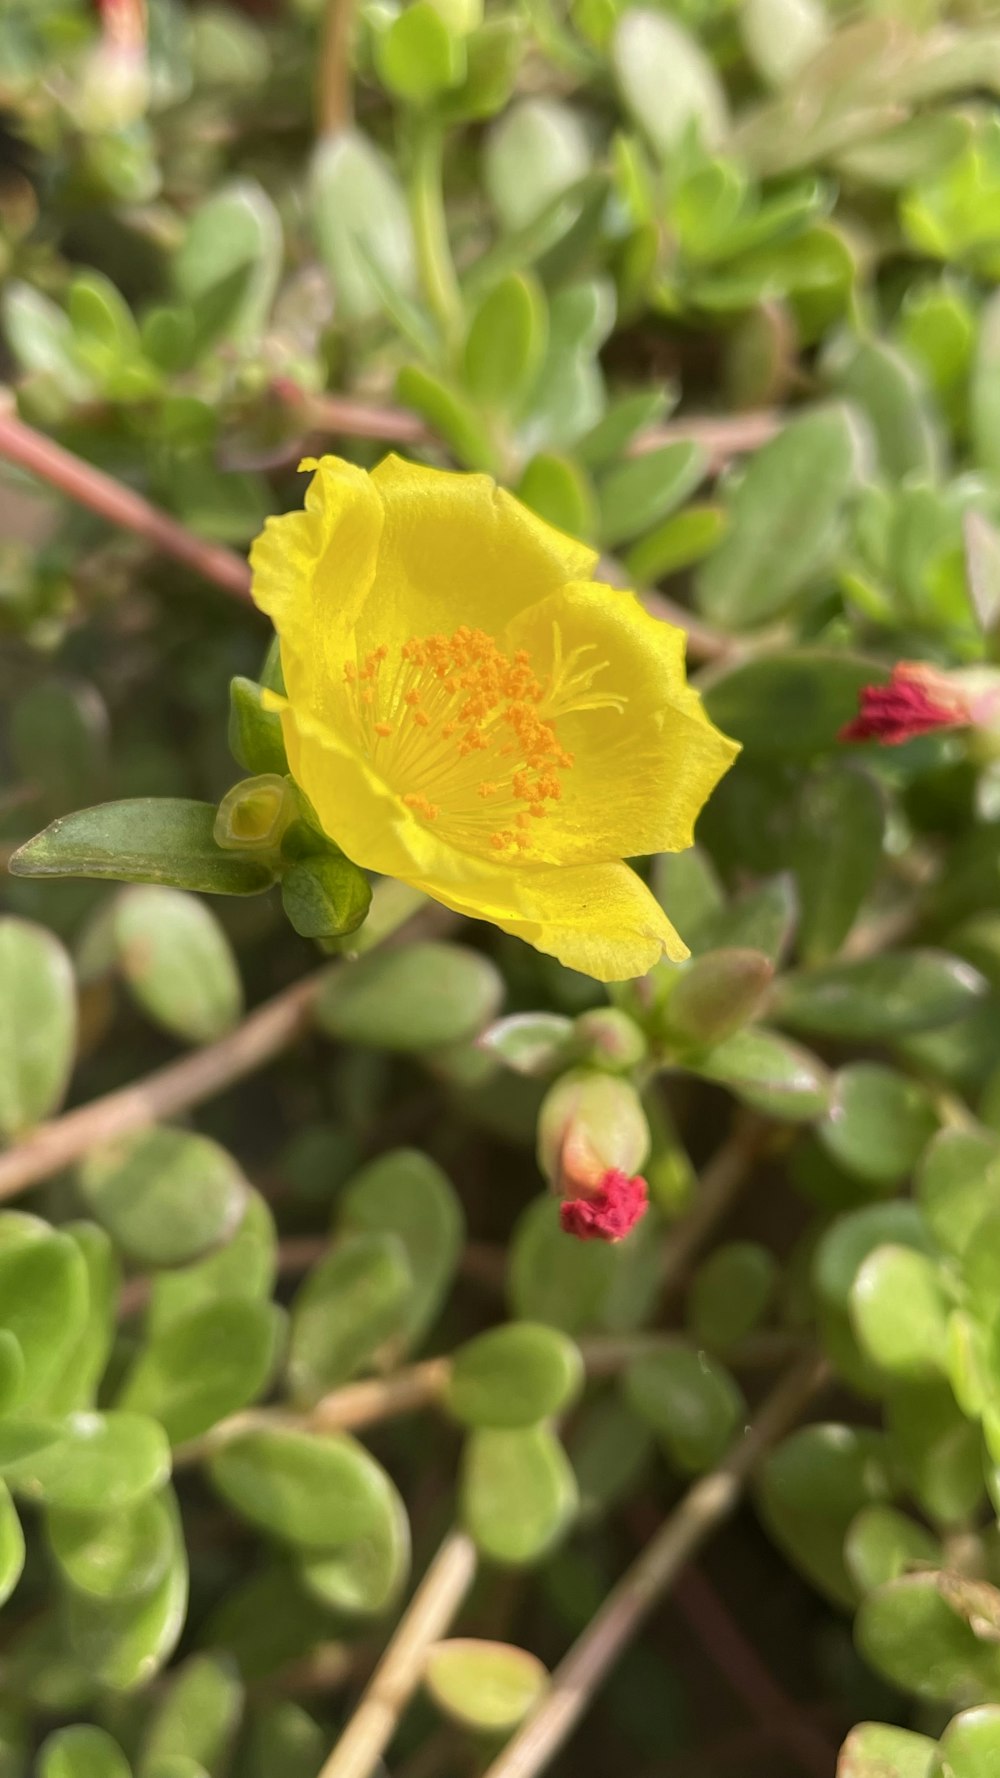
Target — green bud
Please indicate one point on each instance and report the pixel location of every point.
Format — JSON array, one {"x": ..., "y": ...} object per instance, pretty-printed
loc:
[
  {"x": 253, "y": 816},
  {"x": 610, "y": 1039},
  {"x": 255, "y": 740},
  {"x": 325, "y": 897},
  {"x": 588, "y": 1124},
  {"x": 718, "y": 994}
]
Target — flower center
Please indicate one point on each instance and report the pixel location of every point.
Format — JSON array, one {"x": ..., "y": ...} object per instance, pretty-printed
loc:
[{"x": 465, "y": 734}]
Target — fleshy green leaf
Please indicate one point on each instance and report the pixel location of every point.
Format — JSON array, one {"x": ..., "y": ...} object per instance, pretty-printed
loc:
[{"x": 143, "y": 840}]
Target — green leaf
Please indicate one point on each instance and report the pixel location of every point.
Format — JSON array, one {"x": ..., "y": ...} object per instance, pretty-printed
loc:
[
  {"x": 505, "y": 342},
  {"x": 178, "y": 962},
  {"x": 783, "y": 515},
  {"x": 790, "y": 704},
  {"x": 970, "y": 1745},
  {"x": 513, "y": 1376},
  {"x": 534, "y": 1044},
  {"x": 874, "y": 1750},
  {"x": 417, "y": 56},
  {"x": 937, "y": 1451},
  {"x": 558, "y": 490},
  {"x": 413, "y": 999},
  {"x": 82, "y": 1752},
  {"x": 200, "y": 1715},
  {"x": 841, "y": 1251},
  {"x": 717, "y": 994},
  {"x": 204, "y": 1365},
  {"x": 37, "y": 1024},
  {"x": 561, "y": 1282},
  {"x": 366, "y": 1577},
  {"x": 769, "y": 1073},
  {"x": 984, "y": 397},
  {"x": 885, "y": 996},
  {"x": 122, "y": 1643},
  {"x": 678, "y": 543},
  {"x": 811, "y": 1488},
  {"x": 535, "y": 153},
  {"x": 493, "y": 55},
  {"x": 255, "y": 739},
  {"x": 41, "y": 338},
  {"x": 244, "y": 1267},
  {"x": 115, "y": 1555},
  {"x": 448, "y": 413},
  {"x": 835, "y": 880},
  {"x": 882, "y": 383},
  {"x": 59, "y": 733},
  {"x": 361, "y": 224},
  {"x": 882, "y": 1544},
  {"x": 878, "y": 1123},
  {"x": 781, "y": 36},
  {"x": 349, "y": 1307},
  {"x": 899, "y": 1309},
  {"x": 315, "y": 1490},
  {"x": 518, "y": 1493},
  {"x": 77, "y": 1382},
  {"x": 143, "y": 840},
  {"x": 667, "y": 82},
  {"x": 406, "y": 1195},
  {"x": 43, "y": 1304},
  {"x": 165, "y": 1195},
  {"x": 690, "y": 1401},
  {"x": 229, "y": 262},
  {"x": 730, "y": 1294},
  {"x": 642, "y": 491},
  {"x": 95, "y": 1463},
  {"x": 12, "y": 1549},
  {"x": 284, "y": 1738},
  {"x": 488, "y": 1687},
  {"x": 913, "y": 1637},
  {"x": 325, "y": 897}
]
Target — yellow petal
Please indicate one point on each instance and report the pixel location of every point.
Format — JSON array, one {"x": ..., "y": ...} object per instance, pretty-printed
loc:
[
  {"x": 642, "y": 768},
  {"x": 456, "y": 549},
  {"x": 313, "y": 571},
  {"x": 597, "y": 918}
]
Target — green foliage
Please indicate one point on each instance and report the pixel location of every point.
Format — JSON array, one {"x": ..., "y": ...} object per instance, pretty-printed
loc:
[{"x": 711, "y": 287}]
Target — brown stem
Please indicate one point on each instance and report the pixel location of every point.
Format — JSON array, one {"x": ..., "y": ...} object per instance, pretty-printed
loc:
[
  {"x": 702, "y": 1510},
  {"x": 360, "y": 1404},
  {"x": 366, "y": 419},
  {"x": 400, "y": 1670},
  {"x": 739, "y": 1662},
  {"x": 120, "y": 505},
  {"x": 723, "y": 436},
  {"x": 334, "y": 97}
]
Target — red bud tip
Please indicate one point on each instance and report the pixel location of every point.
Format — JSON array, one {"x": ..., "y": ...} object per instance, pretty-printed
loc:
[
  {"x": 917, "y": 700},
  {"x": 610, "y": 1212}
]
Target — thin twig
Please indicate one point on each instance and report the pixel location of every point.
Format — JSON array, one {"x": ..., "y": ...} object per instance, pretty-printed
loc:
[
  {"x": 378, "y": 1398},
  {"x": 702, "y": 1510},
  {"x": 400, "y": 1670},
  {"x": 723, "y": 436},
  {"x": 365, "y": 419},
  {"x": 738, "y": 1660},
  {"x": 334, "y": 97},
  {"x": 267, "y": 1031},
  {"x": 120, "y": 505}
]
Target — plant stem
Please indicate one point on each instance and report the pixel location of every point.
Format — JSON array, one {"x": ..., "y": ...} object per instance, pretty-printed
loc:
[
  {"x": 180, "y": 1085},
  {"x": 702, "y": 1510},
  {"x": 400, "y": 1670},
  {"x": 719, "y": 1185},
  {"x": 378, "y": 1398},
  {"x": 334, "y": 97},
  {"x": 120, "y": 505},
  {"x": 430, "y": 226}
]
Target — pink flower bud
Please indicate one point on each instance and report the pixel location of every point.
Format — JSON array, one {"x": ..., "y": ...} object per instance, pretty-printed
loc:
[
  {"x": 610, "y": 1212},
  {"x": 917, "y": 700}
]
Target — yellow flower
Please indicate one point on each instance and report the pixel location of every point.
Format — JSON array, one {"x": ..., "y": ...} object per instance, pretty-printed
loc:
[{"x": 467, "y": 710}]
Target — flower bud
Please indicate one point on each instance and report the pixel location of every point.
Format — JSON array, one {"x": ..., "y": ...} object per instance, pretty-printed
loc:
[
  {"x": 609, "y": 1039},
  {"x": 589, "y": 1123},
  {"x": 253, "y": 815},
  {"x": 325, "y": 897},
  {"x": 919, "y": 698},
  {"x": 717, "y": 995}
]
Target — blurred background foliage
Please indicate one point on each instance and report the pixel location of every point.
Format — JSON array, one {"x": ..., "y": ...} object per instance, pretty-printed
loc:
[{"x": 712, "y": 284}]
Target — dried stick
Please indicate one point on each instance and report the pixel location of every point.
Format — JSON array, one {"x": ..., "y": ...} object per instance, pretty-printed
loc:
[
  {"x": 701, "y": 1511},
  {"x": 378, "y": 1398},
  {"x": 120, "y": 505},
  {"x": 400, "y": 1670},
  {"x": 334, "y": 97}
]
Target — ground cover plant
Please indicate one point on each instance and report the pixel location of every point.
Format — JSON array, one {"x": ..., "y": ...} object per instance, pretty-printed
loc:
[{"x": 489, "y": 1286}]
